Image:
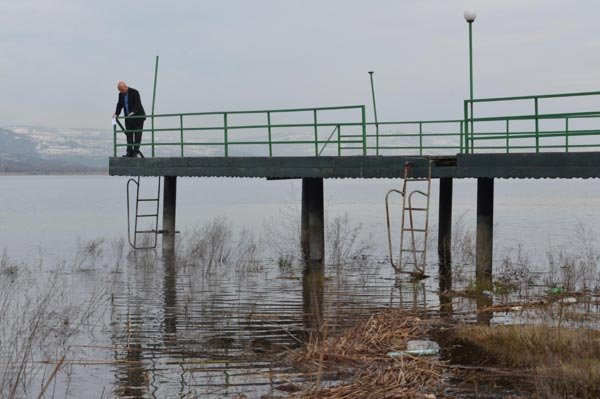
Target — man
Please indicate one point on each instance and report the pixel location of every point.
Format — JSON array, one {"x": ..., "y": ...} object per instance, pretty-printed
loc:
[{"x": 131, "y": 103}]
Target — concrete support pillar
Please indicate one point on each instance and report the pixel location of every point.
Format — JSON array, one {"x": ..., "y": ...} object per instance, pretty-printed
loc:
[
  {"x": 313, "y": 248},
  {"x": 313, "y": 220},
  {"x": 485, "y": 231},
  {"x": 304, "y": 231},
  {"x": 169, "y": 207},
  {"x": 445, "y": 234}
]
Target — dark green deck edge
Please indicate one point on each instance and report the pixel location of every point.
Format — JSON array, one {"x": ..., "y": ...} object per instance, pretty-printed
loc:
[{"x": 536, "y": 166}]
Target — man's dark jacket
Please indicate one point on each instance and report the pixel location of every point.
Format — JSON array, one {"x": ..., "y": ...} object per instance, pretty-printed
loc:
[{"x": 135, "y": 104}]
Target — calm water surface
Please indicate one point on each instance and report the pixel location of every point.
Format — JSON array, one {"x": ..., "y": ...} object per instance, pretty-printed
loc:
[{"x": 180, "y": 328}]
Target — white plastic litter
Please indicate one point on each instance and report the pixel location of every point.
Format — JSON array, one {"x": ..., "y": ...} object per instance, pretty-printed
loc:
[
  {"x": 569, "y": 299},
  {"x": 418, "y": 347}
]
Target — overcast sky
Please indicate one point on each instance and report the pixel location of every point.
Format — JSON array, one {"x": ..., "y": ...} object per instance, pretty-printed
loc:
[{"x": 60, "y": 60}]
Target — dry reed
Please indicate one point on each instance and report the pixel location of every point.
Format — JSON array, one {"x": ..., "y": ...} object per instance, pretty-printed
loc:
[
  {"x": 566, "y": 362},
  {"x": 361, "y": 353}
]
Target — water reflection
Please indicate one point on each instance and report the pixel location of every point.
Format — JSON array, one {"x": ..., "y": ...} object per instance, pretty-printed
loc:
[
  {"x": 170, "y": 299},
  {"x": 313, "y": 280},
  {"x": 179, "y": 328}
]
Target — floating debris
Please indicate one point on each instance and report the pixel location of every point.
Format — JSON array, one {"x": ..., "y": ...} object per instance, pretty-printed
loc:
[{"x": 417, "y": 347}]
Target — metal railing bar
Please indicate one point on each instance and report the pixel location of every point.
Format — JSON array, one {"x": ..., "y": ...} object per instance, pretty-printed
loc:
[{"x": 530, "y": 97}]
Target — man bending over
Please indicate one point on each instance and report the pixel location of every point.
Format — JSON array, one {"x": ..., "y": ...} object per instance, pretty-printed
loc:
[{"x": 131, "y": 103}]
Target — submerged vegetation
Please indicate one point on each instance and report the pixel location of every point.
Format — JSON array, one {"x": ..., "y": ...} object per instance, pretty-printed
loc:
[{"x": 211, "y": 307}]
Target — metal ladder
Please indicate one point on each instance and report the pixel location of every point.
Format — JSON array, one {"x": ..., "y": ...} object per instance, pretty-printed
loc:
[
  {"x": 152, "y": 232},
  {"x": 415, "y": 254}
]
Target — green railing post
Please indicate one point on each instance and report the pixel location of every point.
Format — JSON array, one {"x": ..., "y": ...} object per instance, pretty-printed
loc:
[
  {"x": 537, "y": 128},
  {"x": 364, "y": 130},
  {"x": 181, "y": 132},
  {"x": 225, "y": 139},
  {"x": 115, "y": 140},
  {"x": 567, "y": 134},
  {"x": 153, "y": 138},
  {"x": 420, "y": 138},
  {"x": 269, "y": 127},
  {"x": 466, "y": 127},
  {"x": 375, "y": 112},
  {"x": 461, "y": 137},
  {"x": 339, "y": 143},
  {"x": 153, "y": 101},
  {"x": 316, "y": 133},
  {"x": 507, "y": 139}
]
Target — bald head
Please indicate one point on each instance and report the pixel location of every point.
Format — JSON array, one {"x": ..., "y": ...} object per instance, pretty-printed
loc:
[{"x": 122, "y": 87}]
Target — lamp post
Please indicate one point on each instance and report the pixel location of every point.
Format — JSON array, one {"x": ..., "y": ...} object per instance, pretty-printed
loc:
[{"x": 470, "y": 18}]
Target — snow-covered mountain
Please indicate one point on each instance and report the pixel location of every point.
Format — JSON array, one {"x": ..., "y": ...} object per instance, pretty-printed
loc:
[{"x": 29, "y": 149}]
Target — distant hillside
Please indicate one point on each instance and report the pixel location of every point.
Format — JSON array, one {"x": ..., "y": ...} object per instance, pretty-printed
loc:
[{"x": 39, "y": 150}]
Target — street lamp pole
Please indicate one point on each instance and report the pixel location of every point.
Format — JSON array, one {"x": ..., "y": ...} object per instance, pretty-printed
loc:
[{"x": 470, "y": 18}]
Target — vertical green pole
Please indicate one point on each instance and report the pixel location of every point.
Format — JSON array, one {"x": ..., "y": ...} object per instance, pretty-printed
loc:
[
  {"x": 537, "y": 128},
  {"x": 375, "y": 112},
  {"x": 225, "y": 138},
  {"x": 567, "y": 134},
  {"x": 153, "y": 101},
  {"x": 461, "y": 137},
  {"x": 269, "y": 127},
  {"x": 364, "y": 130},
  {"x": 316, "y": 133},
  {"x": 339, "y": 133},
  {"x": 507, "y": 139},
  {"x": 466, "y": 126},
  {"x": 181, "y": 132},
  {"x": 420, "y": 138},
  {"x": 115, "y": 140},
  {"x": 471, "y": 77}
]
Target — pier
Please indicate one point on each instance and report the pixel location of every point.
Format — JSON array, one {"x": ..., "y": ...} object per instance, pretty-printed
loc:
[{"x": 316, "y": 144}]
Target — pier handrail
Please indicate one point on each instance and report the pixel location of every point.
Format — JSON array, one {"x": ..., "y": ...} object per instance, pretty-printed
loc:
[
  {"x": 226, "y": 128},
  {"x": 351, "y": 134},
  {"x": 472, "y": 136}
]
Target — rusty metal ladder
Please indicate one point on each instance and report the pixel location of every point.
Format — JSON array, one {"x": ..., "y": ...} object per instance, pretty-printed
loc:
[
  {"x": 415, "y": 254},
  {"x": 152, "y": 242}
]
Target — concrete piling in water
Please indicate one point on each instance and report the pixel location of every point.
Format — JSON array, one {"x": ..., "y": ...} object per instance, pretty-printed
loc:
[
  {"x": 445, "y": 234},
  {"x": 313, "y": 221},
  {"x": 485, "y": 231},
  {"x": 169, "y": 210},
  {"x": 304, "y": 230},
  {"x": 313, "y": 247}
]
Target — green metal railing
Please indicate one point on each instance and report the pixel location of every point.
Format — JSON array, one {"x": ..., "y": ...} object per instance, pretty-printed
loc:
[
  {"x": 324, "y": 132},
  {"x": 530, "y": 139},
  {"x": 231, "y": 132}
]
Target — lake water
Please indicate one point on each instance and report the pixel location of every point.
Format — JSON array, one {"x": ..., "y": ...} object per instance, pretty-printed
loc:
[
  {"x": 144, "y": 327},
  {"x": 49, "y": 213}
]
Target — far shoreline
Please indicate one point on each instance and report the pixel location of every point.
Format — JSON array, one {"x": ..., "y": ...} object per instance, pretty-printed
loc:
[{"x": 98, "y": 173}]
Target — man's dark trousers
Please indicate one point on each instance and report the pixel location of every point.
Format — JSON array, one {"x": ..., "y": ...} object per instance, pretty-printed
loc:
[{"x": 136, "y": 125}]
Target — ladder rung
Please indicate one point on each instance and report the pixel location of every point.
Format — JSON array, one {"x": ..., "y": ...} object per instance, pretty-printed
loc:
[
  {"x": 415, "y": 209},
  {"x": 416, "y": 179},
  {"x": 147, "y": 216},
  {"x": 418, "y": 230},
  {"x": 145, "y": 231},
  {"x": 412, "y": 250},
  {"x": 147, "y": 199}
]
